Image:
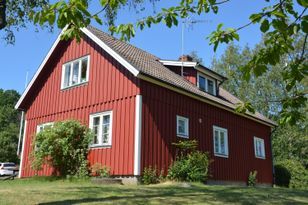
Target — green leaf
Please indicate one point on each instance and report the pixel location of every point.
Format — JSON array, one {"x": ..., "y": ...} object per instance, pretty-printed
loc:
[
  {"x": 98, "y": 20},
  {"x": 304, "y": 26},
  {"x": 303, "y": 3},
  {"x": 264, "y": 25},
  {"x": 255, "y": 17}
]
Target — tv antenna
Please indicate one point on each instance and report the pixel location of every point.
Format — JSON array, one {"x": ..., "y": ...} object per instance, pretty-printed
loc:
[{"x": 188, "y": 22}]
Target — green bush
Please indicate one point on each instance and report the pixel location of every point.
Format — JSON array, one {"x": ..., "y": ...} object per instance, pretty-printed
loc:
[
  {"x": 252, "y": 178},
  {"x": 99, "y": 170},
  {"x": 193, "y": 167},
  {"x": 64, "y": 147},
  {"x": 149, "y": 176},
  {"x": 298, "y": 174},
  {"x": 282, "y": 175}
]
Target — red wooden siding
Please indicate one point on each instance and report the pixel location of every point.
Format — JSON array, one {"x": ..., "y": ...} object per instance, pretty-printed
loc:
[
  {"x": 160, "y": 107},
  {"x": 110, "y": 87}
]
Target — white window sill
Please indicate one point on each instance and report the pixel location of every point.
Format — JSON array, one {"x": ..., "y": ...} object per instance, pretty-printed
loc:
[
  {"x": 221, "y": 155},
  {"x": 258, "y": 157},
  {"x": 98, "y": 146},
  {"x": 76, "y": 85},
  {"x": 183, "y": 136}
]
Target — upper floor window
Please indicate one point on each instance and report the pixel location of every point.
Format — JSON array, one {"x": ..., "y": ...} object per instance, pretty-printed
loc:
[
  {"x": 206, "y": 84},
  {"x": 182, "y": 126},
  {"x": 101, "y": 125},
  {"x": 259, "y": 148},
  {"x": 75, "y": 72},
  {"x": 220, "y": 142}
]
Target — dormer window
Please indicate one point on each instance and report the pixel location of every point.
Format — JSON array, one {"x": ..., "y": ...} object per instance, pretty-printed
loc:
[
  {"x": 75, "y": 72},
  {"x": 206, "y": 84}
]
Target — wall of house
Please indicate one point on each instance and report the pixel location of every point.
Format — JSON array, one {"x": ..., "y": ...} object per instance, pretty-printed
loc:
[
  {"x": 160, "y": 107},
  {"x": 110, "y": 87},
  {"x": 189, "y": 73}
]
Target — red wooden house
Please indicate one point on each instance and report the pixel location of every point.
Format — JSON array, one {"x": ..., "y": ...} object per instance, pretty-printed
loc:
[{"x": 138, "y": 105}]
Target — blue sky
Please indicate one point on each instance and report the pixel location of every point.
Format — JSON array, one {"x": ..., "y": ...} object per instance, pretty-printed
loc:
[{"x": 31, "y": 47}]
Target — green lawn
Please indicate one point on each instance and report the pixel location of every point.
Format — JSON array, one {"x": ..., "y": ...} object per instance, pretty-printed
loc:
[{"x": 64, "y": 192}]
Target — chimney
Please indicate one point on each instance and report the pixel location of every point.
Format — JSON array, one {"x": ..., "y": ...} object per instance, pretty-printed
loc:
[{"x": 185, "y": 58}]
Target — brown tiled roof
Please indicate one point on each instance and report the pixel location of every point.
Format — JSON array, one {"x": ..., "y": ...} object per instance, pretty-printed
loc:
[{"x": 149, "y": 65}]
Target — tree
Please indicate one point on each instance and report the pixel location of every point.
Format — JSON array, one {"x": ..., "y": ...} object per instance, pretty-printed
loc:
[
  {"x": 9, "y": 124},
  {"x": 64, "y": 146},
  {"x": 279, "y": 21}
]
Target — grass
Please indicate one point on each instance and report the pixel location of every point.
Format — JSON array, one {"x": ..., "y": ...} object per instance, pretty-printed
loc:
[{"x": 34, "y": 191}]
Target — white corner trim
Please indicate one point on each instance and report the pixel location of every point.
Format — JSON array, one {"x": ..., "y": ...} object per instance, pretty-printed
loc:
[
  {"x": 110, "y": 51},
  {"x": 138, "y": 124},
  {"x": 22, "y": 151},
  {"x": 178, "y": 63},
  {"x": 121, "y": 60}
]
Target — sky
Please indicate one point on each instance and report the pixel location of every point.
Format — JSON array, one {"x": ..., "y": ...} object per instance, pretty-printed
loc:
[{"x": 31, "y": 47}]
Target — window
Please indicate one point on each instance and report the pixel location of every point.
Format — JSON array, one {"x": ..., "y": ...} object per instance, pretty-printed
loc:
[
  {"x": 42, "y": 127},
  {"x": 205, "y": 84},
  {"x": 182, "y": 126},
  {"x": 259, "y": 148},
  {"x": 75, "y": 72},
  {"x": 101, "y": 125},
  {"x": 220, "y": 141}
]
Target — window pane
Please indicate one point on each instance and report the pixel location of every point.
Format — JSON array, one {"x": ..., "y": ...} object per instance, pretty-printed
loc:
[
  {"x": 84, "y": 67},
  {"x": 210, "y": 87},
  {"x": 67, "y": 73},
  {"x": 106, "y": 119},
  {"x": 105, "y": 138},
  {"x": 216, "y": 142},
  {"x": 96, "y": 122},
  {"x": 201, "y": 83},
  {"x": 75, "y": 73},
  {"x": 181, "y": 124},
  {"x": 222, "y": 143}
]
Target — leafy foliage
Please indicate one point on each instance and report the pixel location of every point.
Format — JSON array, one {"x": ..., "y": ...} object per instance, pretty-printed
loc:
[
  {"x": 190, "y": 164},
  {"x": 149, "y": 176},
  {"x": 9, "y": 120},
  {"x": 298, "y": 174},
  {"x": 252, "y": 178},
  {"x": 99, "y": 170},
  {"x": 63, "y": 146}
]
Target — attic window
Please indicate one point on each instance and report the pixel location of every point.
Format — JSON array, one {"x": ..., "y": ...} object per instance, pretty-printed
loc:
[
  {"x": 206, "y": 84},
  {"x": 75, "y": 72}
]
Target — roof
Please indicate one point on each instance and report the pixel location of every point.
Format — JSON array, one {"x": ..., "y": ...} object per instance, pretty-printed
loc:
[{"x": 142, "y": 63}]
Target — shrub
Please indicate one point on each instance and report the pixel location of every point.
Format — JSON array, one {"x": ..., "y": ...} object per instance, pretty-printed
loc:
[
  {"x": 193, "y": 167},
  {"x": 252, "y": 178},
  {"x": 149, "y": 176},
  {"x": 282, "y": 175},
  {"x": 298, "y": 174},
  {"x": 64, "y": 147},
  {"x": 99, "y": 170}
]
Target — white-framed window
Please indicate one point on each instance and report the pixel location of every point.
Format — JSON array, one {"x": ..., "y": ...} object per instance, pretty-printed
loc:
[
  {"x": 182, "y": 126},
  {"x": 101, "y": 125},
  {"x": 75, "y": 72},
  {"x": 220, "y": 137},
  {"x": 206, "y": 84},
  {"x": 259, "y": 148},
  {"x": 41, "y": 127}
]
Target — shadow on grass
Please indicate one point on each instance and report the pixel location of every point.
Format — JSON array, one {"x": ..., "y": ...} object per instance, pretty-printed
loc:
[{"x": 196, "y": 194}]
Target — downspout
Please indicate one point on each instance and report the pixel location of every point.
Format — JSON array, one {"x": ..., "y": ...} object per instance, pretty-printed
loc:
[{"x": 20, "y": 131}]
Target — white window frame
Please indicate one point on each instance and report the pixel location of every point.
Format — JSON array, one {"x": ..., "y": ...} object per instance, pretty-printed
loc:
[
  {"x": 186, "y": 120},
  {"x": 44, "y": 125},
  {"x": 259, "y": 140},
  {"x": 206, "y": 83},
  {"x": 225, "y": 131},
  {"x": 100, "y": 139},
  {"x": 71, "y": 72}
]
